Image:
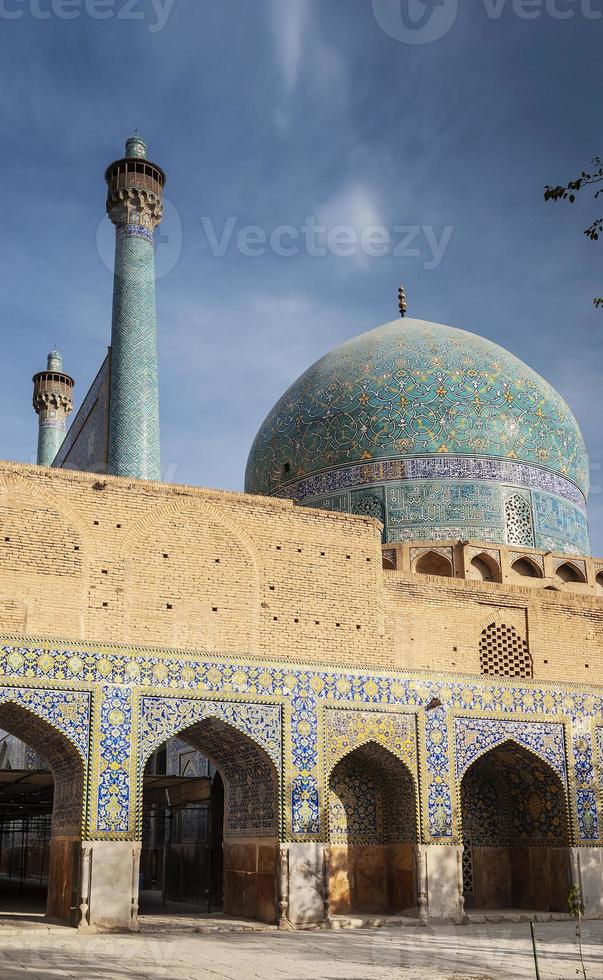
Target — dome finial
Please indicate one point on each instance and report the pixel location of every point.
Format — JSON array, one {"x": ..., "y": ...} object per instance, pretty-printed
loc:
[{"x": 402, "y": 301}]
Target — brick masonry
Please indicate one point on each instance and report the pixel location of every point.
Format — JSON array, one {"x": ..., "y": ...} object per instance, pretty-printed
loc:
[{"x": 115, "y": 561}]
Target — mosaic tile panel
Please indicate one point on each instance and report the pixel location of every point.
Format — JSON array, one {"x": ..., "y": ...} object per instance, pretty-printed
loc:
[
  {"x": 346, "y": 730},
  {"x": 475, "y": 736},
  {"x": 114, "y": 768},
  {"x": 67, "y": 711},
  {"x": 490, "y": 712},
  {"x": 161, "y": 718},
  {"x": 584, "y": 769}
]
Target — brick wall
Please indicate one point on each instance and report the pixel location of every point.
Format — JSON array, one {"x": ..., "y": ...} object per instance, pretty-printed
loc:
[
  {"x": 85, "y": 557},
  {"x": 436, "y": 624},
  {"x": 110, "y": 560}
]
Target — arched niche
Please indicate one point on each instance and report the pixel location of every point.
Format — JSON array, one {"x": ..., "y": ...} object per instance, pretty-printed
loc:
[
  {"x": 68, "y": 772},
  {"x": 373, "y": 834},
  {"x": 599, "y": 584},
  {"x": 248, "y": 835},
  {"x": 433, "y": 563},
  {"x": 569, "y": 573},
  {"x": 526, "y": 568},
  {"x": 484, "y": 568},
  {"x": 516, "y": 833}
]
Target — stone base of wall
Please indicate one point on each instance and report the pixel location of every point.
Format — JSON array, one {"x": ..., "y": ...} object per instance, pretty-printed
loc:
[
  {"x": 372, "y": 879},
  {"x": 250, "y": 879},
  {"x": 306, "y": 903},
  {"x": 442, "y": 874},
  {"x": 109, "y": 886},
  {"x": 588, "y": 873}
]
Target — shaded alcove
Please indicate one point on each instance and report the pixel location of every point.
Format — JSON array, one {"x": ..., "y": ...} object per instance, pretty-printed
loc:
[
  {"x": 432, "y": 563},
  {"x": 526, "y": 568},
  {"x": 484, "y": 568},
  {"x": 515, "y": 833},
  {"x": 45, "y": 824},
  {"x": 219, "y": 846},
  {"x": 373, "y": 834},
  {"x": 568, "y": 573}
]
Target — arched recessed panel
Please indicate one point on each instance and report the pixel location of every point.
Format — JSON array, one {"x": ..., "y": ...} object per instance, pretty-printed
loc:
[
  {"x": 243, "y": 742},
  {"x": 432, "y": 563},
  {"x": 525, "y": 568},
  {"x": 516, "y": 832},
  {"x": 567, "y": 572},
  {"x": 373, "y": 833},
  {"x": 599, "y": 584},
  {"x": 483, "y": 568}
]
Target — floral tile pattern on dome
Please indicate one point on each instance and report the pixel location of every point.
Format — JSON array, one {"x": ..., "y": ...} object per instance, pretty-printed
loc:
[
  {"x": 412, "y": 388},
  {"x": 444, "y": 421}
]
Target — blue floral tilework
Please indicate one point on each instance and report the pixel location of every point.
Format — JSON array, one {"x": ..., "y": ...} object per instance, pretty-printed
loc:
[
  {"x": 456, "y": 717},
  {"x": 67, "y": 711}
]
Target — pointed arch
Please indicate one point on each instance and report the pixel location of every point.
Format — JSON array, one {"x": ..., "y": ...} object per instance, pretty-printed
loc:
[
  {"x": 243, "y": 741},
  {"x": 484, "y": 568},
  {"x": 569, "y": 573},
  {"x": 165, "y": 717},
  {"x": 526, "y": 567},
  {"x": 516, "y": 830},
  {"x": 433, "y": 563},
  {"x": 66, "y": 761},
  {"x": 474, "y": 737}
]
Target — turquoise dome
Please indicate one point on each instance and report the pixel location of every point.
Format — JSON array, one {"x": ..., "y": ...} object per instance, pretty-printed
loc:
[{"x": 437, "y": 415}]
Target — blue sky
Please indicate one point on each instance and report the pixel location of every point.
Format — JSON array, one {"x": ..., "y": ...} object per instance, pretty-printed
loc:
[{"x": 271, "y": 112}]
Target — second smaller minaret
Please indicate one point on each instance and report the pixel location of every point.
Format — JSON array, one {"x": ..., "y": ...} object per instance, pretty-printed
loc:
[{"x": 53, "y": 403}]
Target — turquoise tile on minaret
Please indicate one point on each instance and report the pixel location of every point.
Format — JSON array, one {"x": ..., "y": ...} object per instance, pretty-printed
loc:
[
  {"x": 53, "y": 403},
  {"x": 134, "y": 205}
]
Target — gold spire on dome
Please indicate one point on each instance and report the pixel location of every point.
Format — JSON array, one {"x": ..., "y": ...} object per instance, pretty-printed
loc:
[{"x": 402, "y": 301}]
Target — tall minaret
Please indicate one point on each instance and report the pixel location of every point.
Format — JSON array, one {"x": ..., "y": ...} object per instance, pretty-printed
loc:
[
  {"x": 53, "y": 402},
  {"x": 134, "y": 204}
]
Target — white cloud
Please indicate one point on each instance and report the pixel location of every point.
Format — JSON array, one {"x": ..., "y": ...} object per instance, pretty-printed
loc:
[
  {"x": 355, "y": 205},
  {"x": 303, "y": 53},
  {"x": 289, "y": 25}
]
